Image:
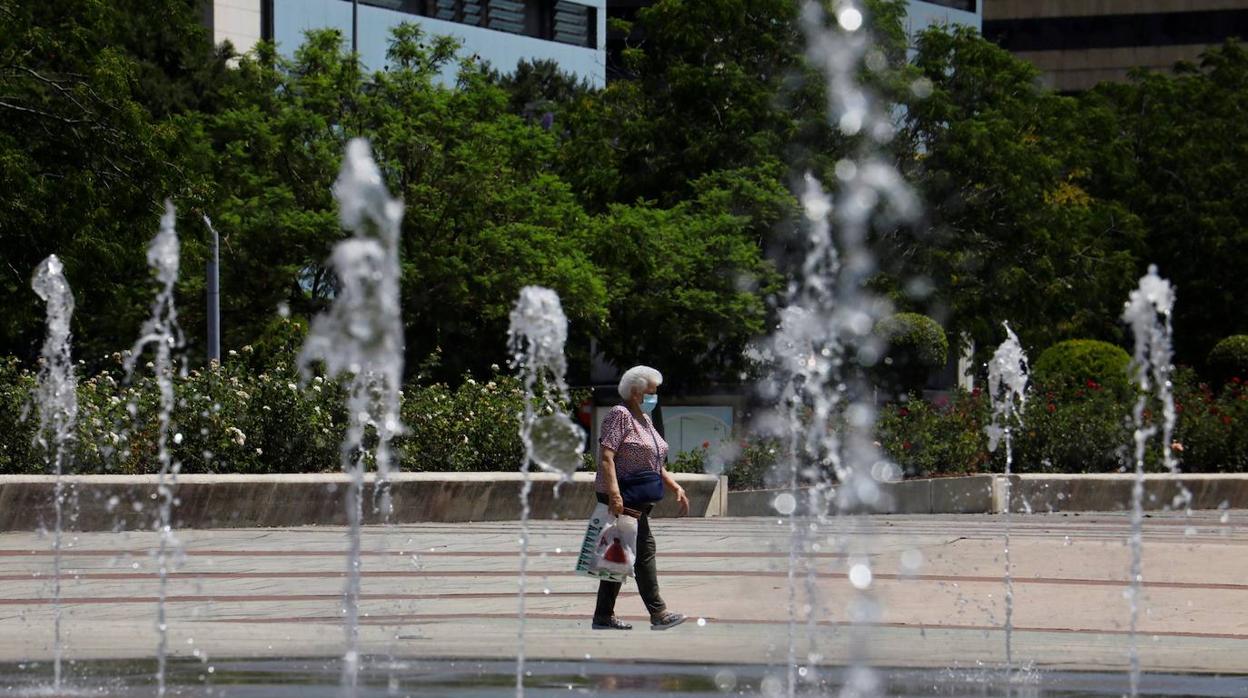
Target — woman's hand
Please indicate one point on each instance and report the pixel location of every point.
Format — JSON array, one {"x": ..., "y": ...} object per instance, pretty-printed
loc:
[
  {"x": 682, "y": 501},
  {"x": 615, "y": 503}
]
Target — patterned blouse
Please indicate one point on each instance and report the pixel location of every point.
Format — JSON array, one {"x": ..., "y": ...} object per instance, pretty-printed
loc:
[{"x": 634, "y": 443}]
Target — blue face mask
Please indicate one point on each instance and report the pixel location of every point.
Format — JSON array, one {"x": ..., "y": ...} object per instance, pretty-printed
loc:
[{"x": 649, "y": 402}]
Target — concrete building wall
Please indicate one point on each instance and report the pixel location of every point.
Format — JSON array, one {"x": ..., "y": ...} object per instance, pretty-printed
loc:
[
  {"x": 236, "y": 21},
  {"x": 1080, "y": 43}
]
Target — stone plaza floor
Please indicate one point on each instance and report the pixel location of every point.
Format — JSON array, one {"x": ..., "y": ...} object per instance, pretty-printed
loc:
[{"x": 449, "y": 591}]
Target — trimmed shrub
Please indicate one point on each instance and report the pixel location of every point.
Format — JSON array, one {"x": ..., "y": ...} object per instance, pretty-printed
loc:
[
  {"x": 1212, "y": 430},
  {"x": 1073, "y": 428},
  {"x": 927, "y": 438},
  {"x": 474, "y": 427},
  {"x": 17, "y": 451},
  {"x": 1076, "y": 362},
  {"x": 917, "y": 345},
  {"x": 1229, "y": 358}
]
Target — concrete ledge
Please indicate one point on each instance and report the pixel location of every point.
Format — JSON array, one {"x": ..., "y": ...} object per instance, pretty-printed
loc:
[
  {"x": 1112, "y": 492},
  {"x": 128, "y": 502},
  {"x": 984, "y": 494},
  {"x": 948, "y": 495}
]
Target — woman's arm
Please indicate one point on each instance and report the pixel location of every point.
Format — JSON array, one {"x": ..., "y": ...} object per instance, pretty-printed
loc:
[
  {"x": 615, "y": 502},
  {"x": 681, "y": 498}
]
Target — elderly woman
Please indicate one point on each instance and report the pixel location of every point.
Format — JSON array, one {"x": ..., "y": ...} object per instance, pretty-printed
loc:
[{"x": 633, "y": 454}]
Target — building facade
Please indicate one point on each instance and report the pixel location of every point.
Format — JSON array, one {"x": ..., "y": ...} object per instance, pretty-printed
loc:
[
  {"x": 921, "y": 14},
  {"x": 502, "y": 32},
  {"x": 1079, "y": 43}
]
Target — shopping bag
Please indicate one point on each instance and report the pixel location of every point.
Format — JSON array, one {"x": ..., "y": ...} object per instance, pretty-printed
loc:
[
  {"x": 617, "y": 546},
  {"x": 602, "y": 531}
]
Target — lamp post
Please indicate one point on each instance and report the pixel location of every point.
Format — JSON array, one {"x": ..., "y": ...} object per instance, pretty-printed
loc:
[
  {"x": 214, "y": 296},
  {"x": 355, "y": 26}
]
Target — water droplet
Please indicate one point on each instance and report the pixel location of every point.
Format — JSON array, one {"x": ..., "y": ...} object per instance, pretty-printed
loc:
[
  {"x": 860, "y": 576},
  {"x": 850, "y": 19},
  {"x": 912, "y": 560},
  {"x": 784, "y": 503}
]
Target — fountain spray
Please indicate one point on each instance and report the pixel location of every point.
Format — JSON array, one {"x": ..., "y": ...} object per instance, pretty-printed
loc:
[
  {"x": 1007, "y": 387},
  {"x": 56, "y": 399},
  {"x": 361, "y": 337},
  {"x": 161, "y": 331},
  {"x": 826, "y": 341},
  {"x": 1148, "y": 311},
  {"x": 536, "y": 338}
]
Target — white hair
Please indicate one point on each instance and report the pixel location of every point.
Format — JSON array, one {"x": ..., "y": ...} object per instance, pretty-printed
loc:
[{"x": 638, "y": 378}]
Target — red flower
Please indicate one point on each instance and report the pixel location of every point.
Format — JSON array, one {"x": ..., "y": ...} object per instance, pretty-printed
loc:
[
  {"x": 905, "y": 445},
  {"x": 1226, "y": 419},
  {"x": 706, "y": 444},
  {"x": 1078, "y": 393},
  {"x": 1237, "y": 380},
  {"x": 1093, "y": 384},
  {"x": 903, "y": 412},
  {"x": 1052, "y": 408}
]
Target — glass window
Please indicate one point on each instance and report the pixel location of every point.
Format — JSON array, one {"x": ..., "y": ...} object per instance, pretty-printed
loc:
[
  {"x": 553, "y": 20},
  {"x": 968, "y": 5}
]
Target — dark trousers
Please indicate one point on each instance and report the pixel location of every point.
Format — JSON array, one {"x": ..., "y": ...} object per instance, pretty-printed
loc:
[{"x": 644, "y": 570}]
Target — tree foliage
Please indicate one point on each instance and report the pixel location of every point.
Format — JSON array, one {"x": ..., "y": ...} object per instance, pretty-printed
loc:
[
  {"x": 659, "y": 207},
  {"x": 85, "y": 156},
  {"x": 1183, "y": 144},
  {"x": 1014, "y": 233}
]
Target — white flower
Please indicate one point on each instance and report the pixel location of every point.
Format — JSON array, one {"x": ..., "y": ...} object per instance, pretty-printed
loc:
[
  {"x": 233, "y": 353},
  {"x": 259, "y": 452},
  {"x": 266, "y": 408},
  {"x": 236, "y": 435},
  {"x": 292, "y": 386}
]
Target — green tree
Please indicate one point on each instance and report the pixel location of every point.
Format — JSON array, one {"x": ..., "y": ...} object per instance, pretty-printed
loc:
[
  {"x": 686, "y": 283},
  {"x": 1183, "y": 139},
  {"x": 717, "y": 85},
  {"x": 1014, "y": 233},
  {"x": 484, "y": 215},
  {"x": 85, "y": 158}
]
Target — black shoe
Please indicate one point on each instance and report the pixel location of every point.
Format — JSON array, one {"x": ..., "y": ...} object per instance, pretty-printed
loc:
[
  {"x": 666, "y": 620},
  {"x": 612, "y": 624}
]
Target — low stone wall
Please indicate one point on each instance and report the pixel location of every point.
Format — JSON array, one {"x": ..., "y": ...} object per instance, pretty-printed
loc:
[
  {"x": 1112, "y": 492},
  {"x": 950, "y": 495},
  {"x": 129, "y": 502},
  {"x": 986, "y": 494}
]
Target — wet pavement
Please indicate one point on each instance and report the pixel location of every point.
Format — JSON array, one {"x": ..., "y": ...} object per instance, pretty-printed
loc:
[{"x": 448, "y": 592}]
